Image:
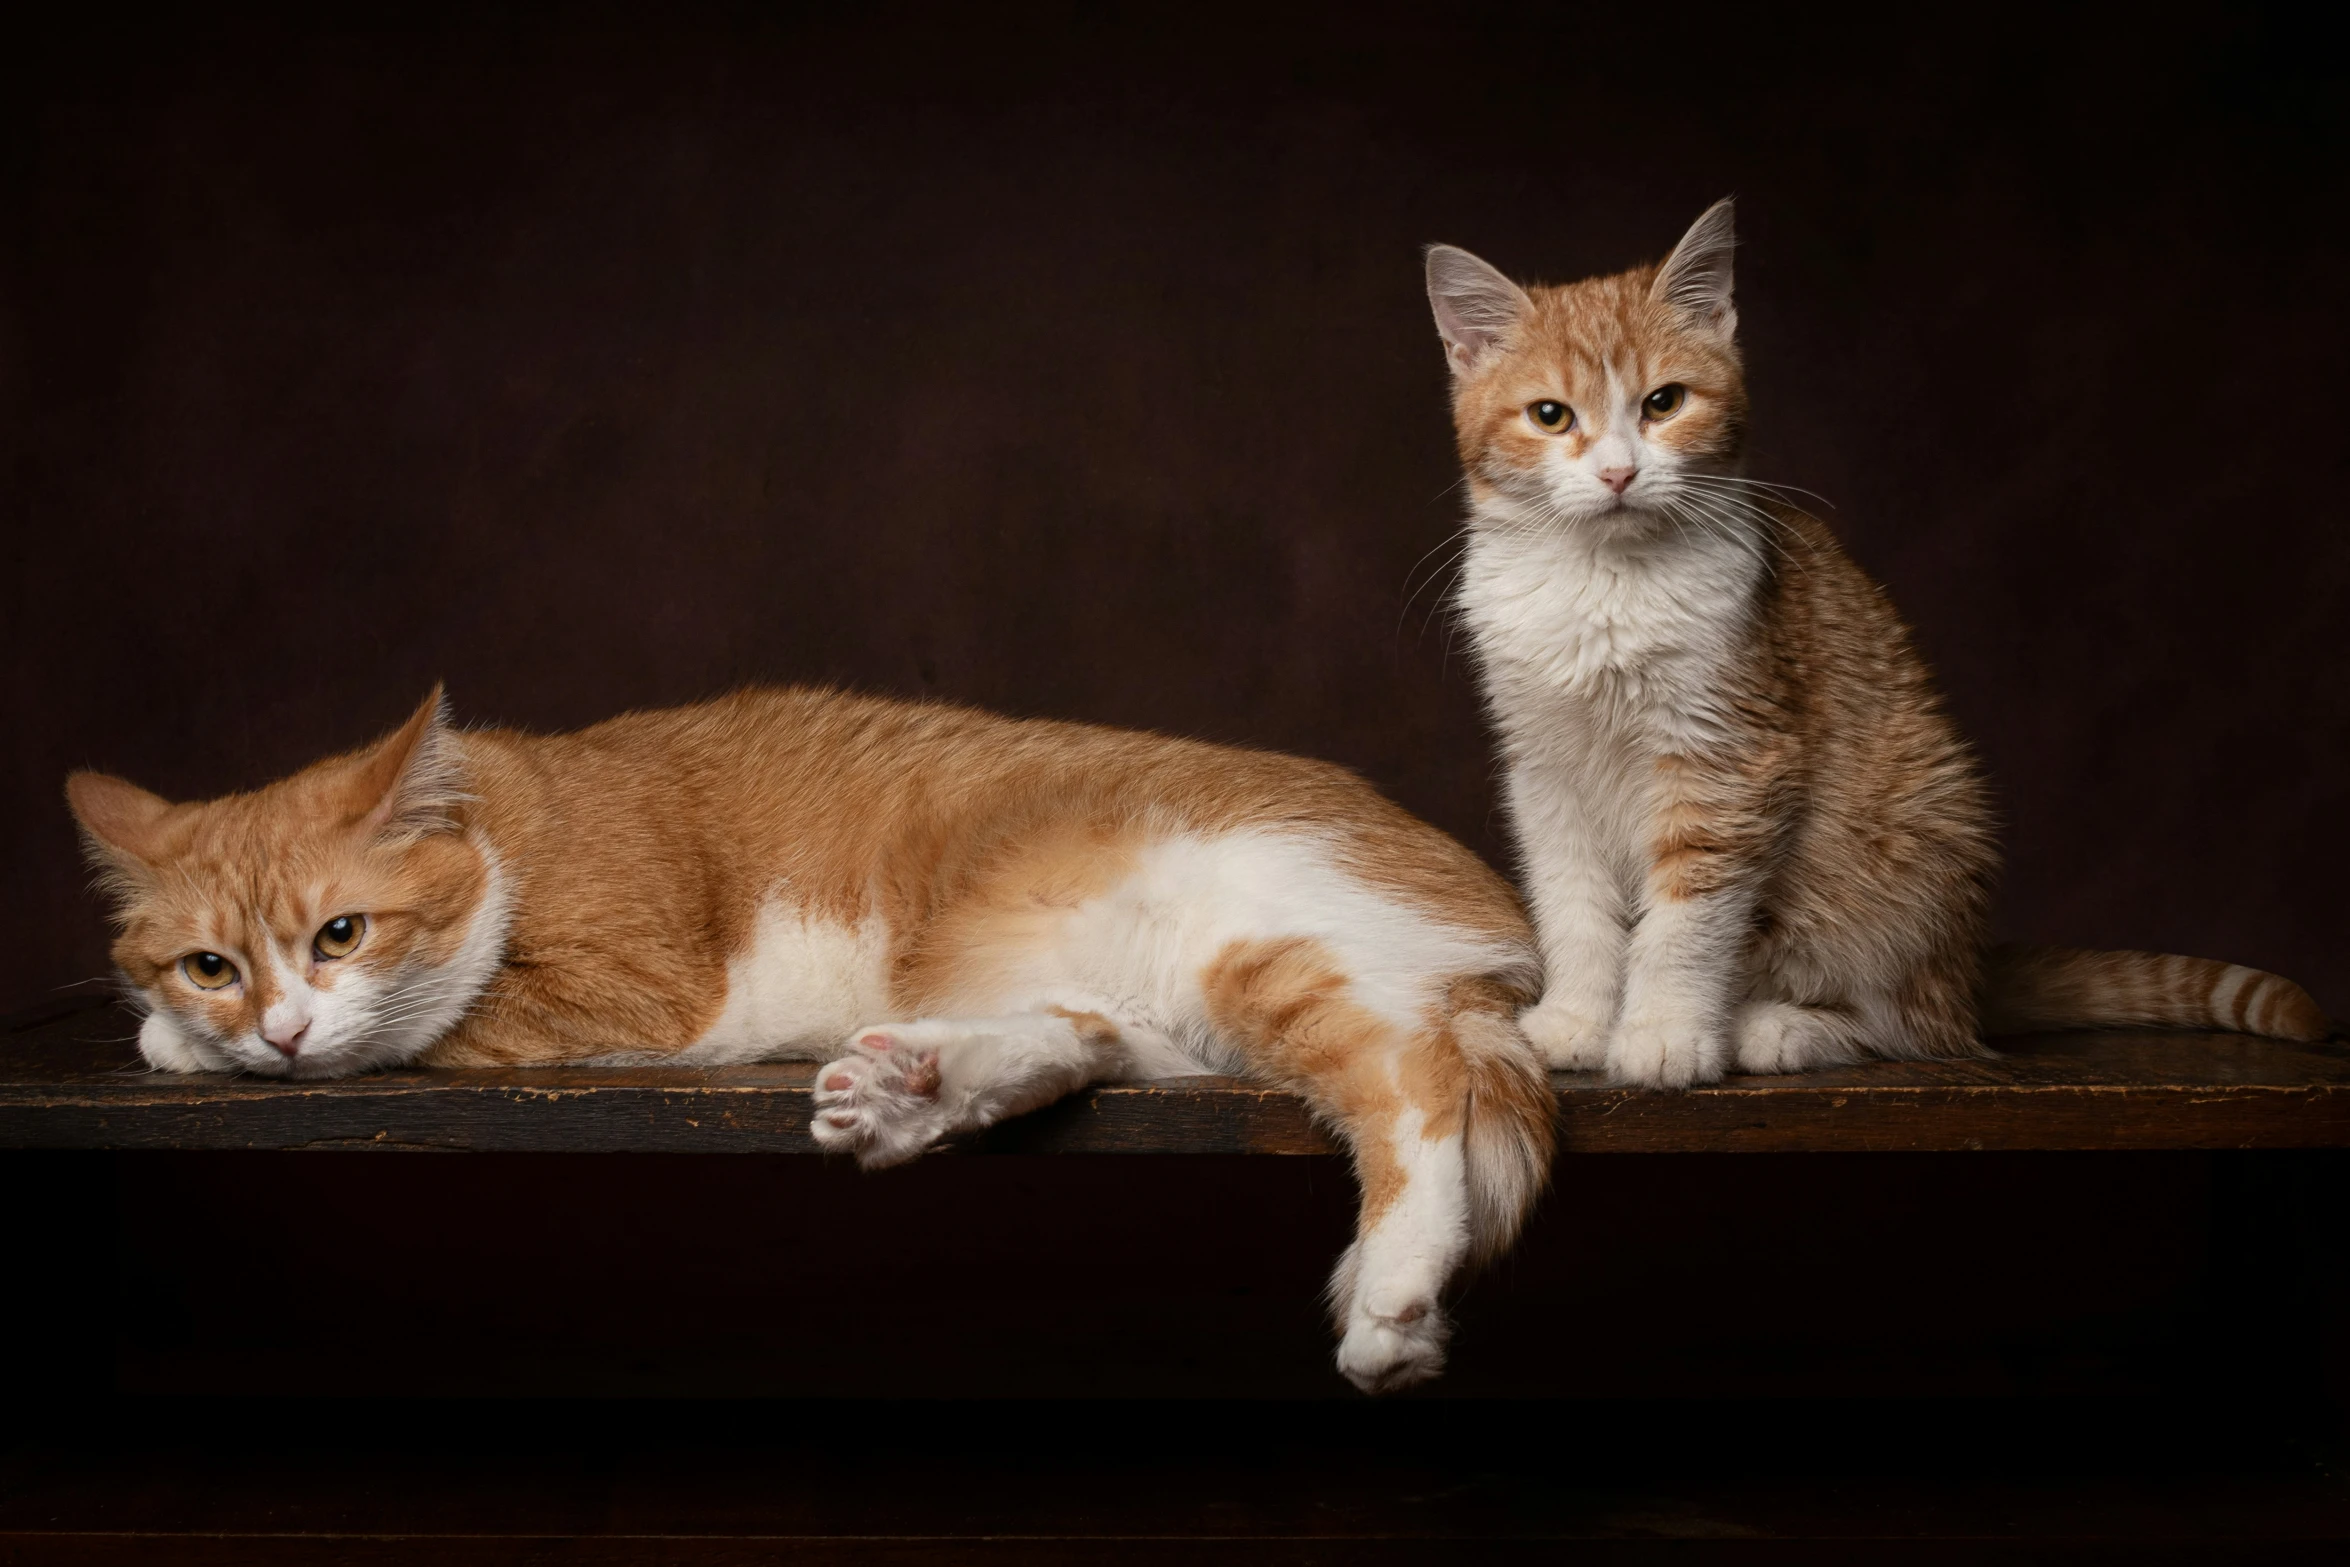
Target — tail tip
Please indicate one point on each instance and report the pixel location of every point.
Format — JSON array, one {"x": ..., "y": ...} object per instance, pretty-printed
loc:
[{"x": 2293, "y": 1013}]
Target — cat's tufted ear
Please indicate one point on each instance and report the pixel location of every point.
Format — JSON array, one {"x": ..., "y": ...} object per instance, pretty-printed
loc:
[
  {"x": 123, "y": 831},
  {"x": 1476, "y": 307},
  {"x": 1695, "y": 279},
  {"x": 410, "y": 783}
]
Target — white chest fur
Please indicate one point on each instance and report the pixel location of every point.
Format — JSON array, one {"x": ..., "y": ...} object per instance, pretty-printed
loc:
[
  {"x": 1593, "y": 643},
  {"x": 1599, "y": 658}
]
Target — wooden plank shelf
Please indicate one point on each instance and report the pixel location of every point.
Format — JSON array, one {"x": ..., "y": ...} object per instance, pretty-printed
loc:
[{"x": 72, "y": 1081}]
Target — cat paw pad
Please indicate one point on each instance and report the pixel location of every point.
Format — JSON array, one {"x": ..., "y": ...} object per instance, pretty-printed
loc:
[
  {"x": 881, "y": 1101},
  {"x": 1385, "y": 1352}
]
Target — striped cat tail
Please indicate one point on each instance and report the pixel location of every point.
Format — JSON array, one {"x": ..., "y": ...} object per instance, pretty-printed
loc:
[
  {"x": 1511, "y": 1112},
  {"x": 2027, "y": 989}
]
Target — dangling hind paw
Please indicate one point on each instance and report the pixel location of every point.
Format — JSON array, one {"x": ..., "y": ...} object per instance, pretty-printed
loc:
[
  {"x": 1385, "y": 1353},
  {"x": 882, "y": 1102}
]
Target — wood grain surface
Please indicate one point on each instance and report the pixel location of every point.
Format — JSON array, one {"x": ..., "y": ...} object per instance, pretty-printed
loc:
[{"x": 74, "y": 1081}]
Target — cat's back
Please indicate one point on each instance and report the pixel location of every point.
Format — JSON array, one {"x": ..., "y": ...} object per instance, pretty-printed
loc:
[
  {"x": 817, "y": 785},
  {"x": 1841, "y": 648},
  {"x": 741, "y": 756},
  {"x": 776, "y": 847},
  {"x": 1878, "y": 749}
]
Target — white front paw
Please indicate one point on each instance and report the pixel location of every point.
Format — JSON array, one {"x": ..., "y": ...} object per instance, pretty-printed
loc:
[
  {"x": 167, "y": 1049},
  {"x": 1672, "y": 1052},
  {"x": 881, "y": 1102},
  {"x": 1569, "y": 1040}
]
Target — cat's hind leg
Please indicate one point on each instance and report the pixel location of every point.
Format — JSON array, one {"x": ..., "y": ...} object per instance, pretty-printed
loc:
[
  {"x": 1410, "y": 1238},
  {"x": 1448, "y": 1116},
  {"x": 1815, "y": 1001},
  {"x": 904, "y": 1086},
  {"x": 1779, "y": 1036}
]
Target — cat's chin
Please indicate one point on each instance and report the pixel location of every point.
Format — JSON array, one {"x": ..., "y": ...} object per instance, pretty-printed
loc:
[
  {"x": 1614, "y": 521},
  {"x": 1627, "y": 531},
  {"x": 311, "y": 1067},
  {"x": 169, "y": 1048},
  {"x": 302, "y": 1069}
]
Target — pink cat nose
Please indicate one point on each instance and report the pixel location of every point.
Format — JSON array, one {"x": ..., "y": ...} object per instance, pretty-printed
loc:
[
  {"x": 287, "y": 1042},
  {"x": 1618, "y": 479}
]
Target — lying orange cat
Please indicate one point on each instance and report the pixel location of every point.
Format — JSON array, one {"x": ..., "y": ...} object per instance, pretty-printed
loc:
[{"x": 968, "y": 916}]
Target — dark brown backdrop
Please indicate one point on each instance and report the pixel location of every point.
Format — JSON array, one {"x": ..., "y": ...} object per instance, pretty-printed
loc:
[{"x": 1079, "y": 367}]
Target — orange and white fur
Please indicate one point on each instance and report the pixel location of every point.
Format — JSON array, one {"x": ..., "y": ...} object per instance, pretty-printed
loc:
[
  {"x": 1750, "y": 835},
  {"x": 964, "y": 916}
]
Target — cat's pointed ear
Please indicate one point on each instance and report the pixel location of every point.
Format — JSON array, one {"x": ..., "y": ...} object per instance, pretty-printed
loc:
[
  {"x": 410, "y": 783},
  {"x": 1476, "y": 307},
  {"x": 1695, "y": 279},
  {"x": 122, "y": 830}
]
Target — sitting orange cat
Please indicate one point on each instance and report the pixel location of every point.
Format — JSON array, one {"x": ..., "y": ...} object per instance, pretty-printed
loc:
[{"x": 970, "y": 915}]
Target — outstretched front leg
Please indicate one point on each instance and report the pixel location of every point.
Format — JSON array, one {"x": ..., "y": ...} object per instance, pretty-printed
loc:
[{"x": 904, "y": 1086}]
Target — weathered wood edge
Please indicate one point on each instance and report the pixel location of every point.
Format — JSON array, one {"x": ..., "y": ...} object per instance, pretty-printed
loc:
[
  {"x": 1208, "y": 1117},
  {"x": 57, "y": 1097}
]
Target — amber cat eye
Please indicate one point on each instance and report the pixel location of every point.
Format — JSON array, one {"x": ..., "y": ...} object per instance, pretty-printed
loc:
[
  {"x": 340, "y": 936},
  {"x": 1550, "y": 416},
  {"x": 208, "y": 970},
  {"x": 1665, "y": 401}
]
